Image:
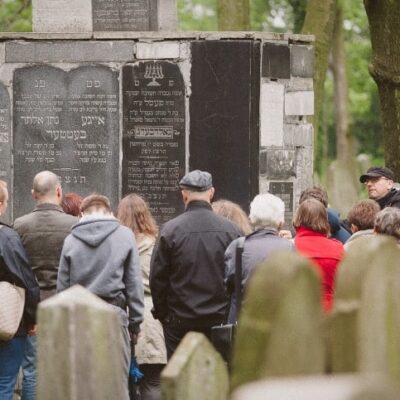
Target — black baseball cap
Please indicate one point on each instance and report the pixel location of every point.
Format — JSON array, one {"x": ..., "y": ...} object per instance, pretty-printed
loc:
[{"x": 377, "y": 172}]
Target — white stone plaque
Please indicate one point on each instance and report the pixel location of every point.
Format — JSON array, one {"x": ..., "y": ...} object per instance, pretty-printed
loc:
[
  {"x": 271, "y": 111},
  {"x": 299, "y": 103}
]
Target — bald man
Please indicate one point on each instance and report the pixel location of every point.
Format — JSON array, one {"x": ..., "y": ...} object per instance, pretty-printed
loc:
[{"x": 42, "y": 232}]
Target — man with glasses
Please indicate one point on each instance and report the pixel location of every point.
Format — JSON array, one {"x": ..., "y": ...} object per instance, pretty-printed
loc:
[{"x": 380, "y": 185}]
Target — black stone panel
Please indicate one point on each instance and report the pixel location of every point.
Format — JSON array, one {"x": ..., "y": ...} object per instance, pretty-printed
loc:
[
  {"x": 302, "y": 61},
  {"x": 68, "y": 123},
  {"x": 284, "y": 190},
  {"x": 124, "y": 15},
  {"x": 276, "y": 61},
  {"x": 278, "y": 164},
  {"x": 154, "y": 135},
  {"x": 5, "y": 145},
  {"x": 224, "y": 115}
]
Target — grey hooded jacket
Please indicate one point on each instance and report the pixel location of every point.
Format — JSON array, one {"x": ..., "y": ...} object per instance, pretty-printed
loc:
[{"x": 101, "y": 255}]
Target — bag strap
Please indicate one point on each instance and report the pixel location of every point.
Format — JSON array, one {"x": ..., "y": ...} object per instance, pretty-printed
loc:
[{"x": 238, "y": 274}]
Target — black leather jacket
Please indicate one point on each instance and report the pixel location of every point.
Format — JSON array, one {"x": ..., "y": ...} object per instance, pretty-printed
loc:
[
  {"x": 187, "y": 267},
  {"x": 392, "y": 199},
  {"x": 15, "y": 268}
]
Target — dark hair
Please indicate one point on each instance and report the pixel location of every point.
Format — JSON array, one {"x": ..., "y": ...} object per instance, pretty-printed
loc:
[
  {"x": 234, "y": 213},
  {"x": 315, "y": 192},
  {"x": 313, "y": 215},
  {"x": 387, "y": 222},
  {"x": 134, "y": 212},
  {"x": 71, "y": 204},
  {"x": 96, "y": 201},
  {"x": 363, "y": 214}
]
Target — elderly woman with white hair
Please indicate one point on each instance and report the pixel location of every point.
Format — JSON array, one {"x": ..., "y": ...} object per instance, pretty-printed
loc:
[{"x": 267, "y": 218}]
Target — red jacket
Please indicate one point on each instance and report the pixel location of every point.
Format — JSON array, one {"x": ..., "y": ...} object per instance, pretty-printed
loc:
[{"x": 325, "y": 254}]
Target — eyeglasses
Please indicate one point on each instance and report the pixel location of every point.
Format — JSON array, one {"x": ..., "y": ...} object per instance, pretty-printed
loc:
[{"x": 374, "y": 180}]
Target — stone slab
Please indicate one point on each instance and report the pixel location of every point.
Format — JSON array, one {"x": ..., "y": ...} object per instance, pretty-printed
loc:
[
  {"x": 298, "y": 135},
  {"x": 89, "y": 364},
  {"x": 284, "y": 190},
  {"x": 275, "y": 61},
  {"x": 124, "y": 15},
  {"x": 5, "y": 145},
  {"x": 66, "y": 122},
  {"x": 223, "y": 110},
  {"x": 302, "y": 61},
  {"x": 278, "y": 163},
  {"x": 157, "y": 50},
  {"x": 351, "y": 387},
  {"x": 167, "y": 15},
  {"x": 299, "y": 103},
  {"x": 196, "y": 371},
  {"x": 71, "y": 51},
  {"x": 154, "y": 135},
  {"x": 62, "y": 16},
  {"x": 271, "y": 113}
]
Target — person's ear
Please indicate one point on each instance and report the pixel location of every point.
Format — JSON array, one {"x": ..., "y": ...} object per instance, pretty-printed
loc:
[
  {"x": 212, "y": 192},
  {"x": 353, "y": 228},
  {"x": 34, "y": 197}
]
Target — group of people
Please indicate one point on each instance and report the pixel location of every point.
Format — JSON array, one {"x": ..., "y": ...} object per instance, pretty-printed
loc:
[{"x": 165, "y": 283}]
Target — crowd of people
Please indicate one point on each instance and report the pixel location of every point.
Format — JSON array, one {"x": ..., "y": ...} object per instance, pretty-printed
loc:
[{"x": 166, "y": 282}]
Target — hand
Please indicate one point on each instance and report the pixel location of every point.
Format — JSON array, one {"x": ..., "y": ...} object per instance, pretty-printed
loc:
[
  {"x": 32, "y": 330},
  {"x": 285, "y": 234}
]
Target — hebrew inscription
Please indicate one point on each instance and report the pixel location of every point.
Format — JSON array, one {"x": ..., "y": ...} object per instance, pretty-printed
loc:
[
  {"x": 5, "y": 143},
  {"x": 124, "y": 15},
  {"x": 154, "y": 135},
  {"x": 66, "y": 122},
  {"x": 284, "y": 190}
]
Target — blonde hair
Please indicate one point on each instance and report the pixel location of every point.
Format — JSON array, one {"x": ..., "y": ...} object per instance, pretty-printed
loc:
[
  {"x": 134, "y": 212},
  {"x": 234, "y": 213}
]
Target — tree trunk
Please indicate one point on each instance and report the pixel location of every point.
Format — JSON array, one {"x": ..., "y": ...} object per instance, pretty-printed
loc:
[
  {"x": 343, "y": 138},
  {"x": 233, "y": 15},
  {"x": 320, "y": 16},
  {"x": 384, "y": 22}
]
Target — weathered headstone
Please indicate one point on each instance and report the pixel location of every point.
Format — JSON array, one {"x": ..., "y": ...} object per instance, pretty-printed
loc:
[
  {"x": 5, "y": 145},
  {"x": 379, "y": 315},
  {"x": 66, "y": 122},
  {"x": 223, "y": 128},
  {"x": 364, "y": 253},
  {"x": 79, "y": 348},
  {"x": 280, "y": 326},
  {"x": 154, "y": 135},
  {"x": 196, "y": 371},
  {"x": 350, "y": 387}
]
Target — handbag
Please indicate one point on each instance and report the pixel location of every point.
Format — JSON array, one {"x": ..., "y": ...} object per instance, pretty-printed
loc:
[
  {"x": 222, "y": 336},
  {"x": 12, "y": 301}
]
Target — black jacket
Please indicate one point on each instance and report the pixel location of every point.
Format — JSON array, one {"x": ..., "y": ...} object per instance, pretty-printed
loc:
[
  {"x": 187, "y": 266},
  {"x": 15, "y": 268},
  {"x": 392, "y": 199}
]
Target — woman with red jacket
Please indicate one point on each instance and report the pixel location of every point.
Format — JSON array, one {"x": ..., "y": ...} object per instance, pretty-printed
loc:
[{"x": 311, "y": 240}]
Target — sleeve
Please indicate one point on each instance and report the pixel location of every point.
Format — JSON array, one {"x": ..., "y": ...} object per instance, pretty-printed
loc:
[
  {"x": 134, "y": 288},
  {"x": 230, "y": 263},
  {"x": 63, "y": 275},
  {"x": 159, "y": 277},
  {"x": 15, "y": 258}
]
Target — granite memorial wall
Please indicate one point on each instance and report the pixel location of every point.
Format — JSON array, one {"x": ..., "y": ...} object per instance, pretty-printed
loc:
[{"x": 127, "y": 112}]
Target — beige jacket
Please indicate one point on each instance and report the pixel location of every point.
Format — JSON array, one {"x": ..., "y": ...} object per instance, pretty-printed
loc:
[{"x": 150, "y": 348}]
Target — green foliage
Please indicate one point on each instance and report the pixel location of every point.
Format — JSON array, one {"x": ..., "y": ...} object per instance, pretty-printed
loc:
[
  {"x": 197, "y": 15},
  {"x": 15, "y": 16}
]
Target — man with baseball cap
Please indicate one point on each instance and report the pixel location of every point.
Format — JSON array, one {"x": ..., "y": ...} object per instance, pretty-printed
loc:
[
  {"x": 380, "y": 185},
  {"x": 187, "y": 266}
]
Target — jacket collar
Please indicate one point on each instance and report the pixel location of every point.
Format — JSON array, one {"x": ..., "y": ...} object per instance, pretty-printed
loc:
[
  {"x": 262, "y": 232},
  {"x": 387, "y": 197},
  {"x": 197, "y": 204},
  {"x": 48, "y": 206},
  {"x": 303, "y": 231}
]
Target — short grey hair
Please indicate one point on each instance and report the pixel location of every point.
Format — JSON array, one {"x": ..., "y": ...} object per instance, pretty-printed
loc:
[
  {"x": 267, "y": 211},
  {"x": 387, "y": 222}
]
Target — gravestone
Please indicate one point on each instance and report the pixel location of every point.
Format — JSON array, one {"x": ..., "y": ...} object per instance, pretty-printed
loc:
[
  {"x": 224, "y": 110},
  {"x": 196, "y": 371},
  {"x": 345, "y": 387},
  {"x": 68, "y": 123},
  {"x": 363, "y": 254},
  {"x": 379, "y": 315},
  {"x": 79, "y": 348},
  {"x": 280, "y": 326},
  {"x": 154, "y": 135},
  {"x": 5, "y": 145}
]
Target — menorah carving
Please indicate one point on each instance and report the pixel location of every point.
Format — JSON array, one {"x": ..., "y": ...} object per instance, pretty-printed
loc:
[{"x": 153, "y": 72}]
